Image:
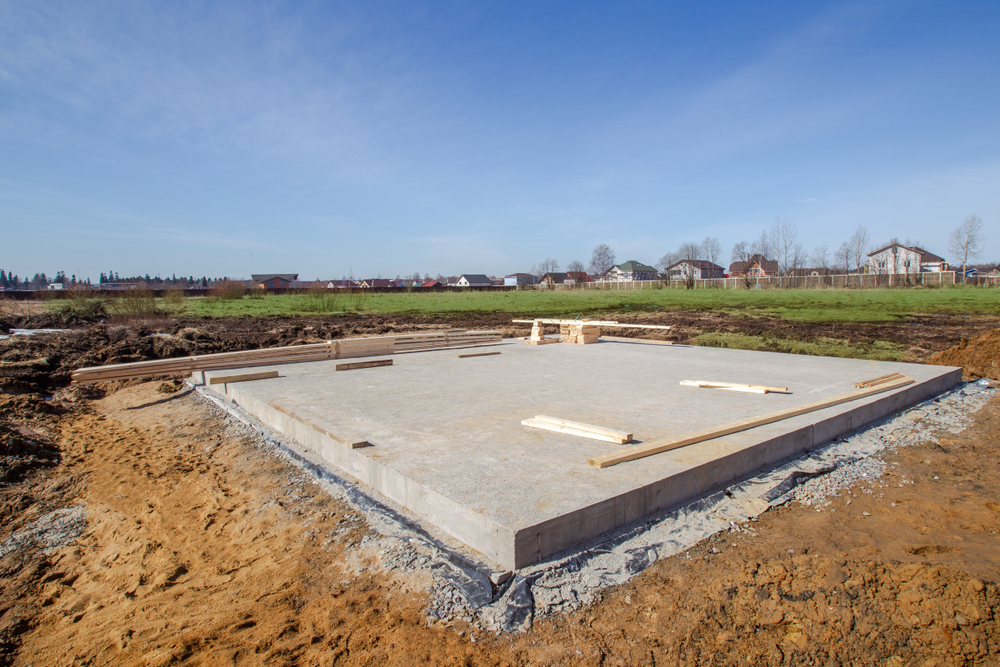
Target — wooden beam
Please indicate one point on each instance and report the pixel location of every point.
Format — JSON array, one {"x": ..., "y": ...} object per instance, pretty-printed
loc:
[
  {"x": 658, "y": 446},
  {"x": 751, "y": 388},
  {"x": 620, "y": 339},
  {"x": 364, "y": 364},
  {"x": 598, "y": 323},
  {"x": 479, "y": 354},
  {"x": 577, "y": 428},
  {"x": 243, "y": 377}
]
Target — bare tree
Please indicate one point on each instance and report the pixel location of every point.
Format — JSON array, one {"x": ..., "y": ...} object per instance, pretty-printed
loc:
[
  {"x": 601, "y": 261},
  {"x": 689, "y": 251},
  {"x": 575, "y": 266},
  {"x": 742, "y": 253},
  {"x": 764, "y": 246},
  {"x": 668, "y": 259},
  {"x": 843, "y": 257},
  {"x": 821, "y": 257},
  {"x": 858, "y": 246},
  {"x": 967, "y": 240},
  {"x": 548, "y": 266},
  {"x": 784, "y": 237},
  {"x": 711, "y": 249}
]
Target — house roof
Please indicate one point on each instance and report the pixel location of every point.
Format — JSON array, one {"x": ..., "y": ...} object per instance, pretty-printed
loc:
[
  {"x": 702, "y": 264},
  {"x": 768, "y": 265},
  {"x": 432, "y": 283},
  {"x": 579, "y": 276},
  {"x": 556, "y": 277},
  {"x": 476, "y": 278},
  {"x": 264, "y": 277},
  {"x": 925, "y": 255},
  {"x": 520, "y": 275},
  {"x": 632, "y": 266}
]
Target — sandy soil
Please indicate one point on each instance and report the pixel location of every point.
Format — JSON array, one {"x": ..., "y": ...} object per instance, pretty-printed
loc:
[{"x": 200, "y": 547}]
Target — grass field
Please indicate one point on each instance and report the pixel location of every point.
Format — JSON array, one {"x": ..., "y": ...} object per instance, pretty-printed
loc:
[{"x": 794, "y": 305}]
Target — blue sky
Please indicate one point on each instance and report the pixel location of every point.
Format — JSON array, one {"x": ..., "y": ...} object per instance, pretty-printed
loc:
[{"x": 390, "y": 138}]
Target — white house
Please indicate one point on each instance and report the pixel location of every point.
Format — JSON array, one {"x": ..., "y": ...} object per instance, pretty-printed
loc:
[
  {"x": 631, "y": 270},
  {"x": 474, "y": 280},
  {"x": 898, "y": 258},
  {"x": 696, "y": 269}
]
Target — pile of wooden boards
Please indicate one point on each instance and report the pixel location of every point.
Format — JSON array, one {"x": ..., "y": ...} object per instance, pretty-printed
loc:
[
  {"x": 331, "y": 349},
  {"x": 874, "y": 382},
  {"x": 732, "y": 386},
  {"x": 577, "y": 428},
  {"x": 580, "y": 333},
  {"x": 577, "y": 331}
]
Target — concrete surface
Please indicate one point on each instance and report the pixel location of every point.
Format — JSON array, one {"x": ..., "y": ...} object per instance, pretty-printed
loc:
[{"x": 447, "y": 441}]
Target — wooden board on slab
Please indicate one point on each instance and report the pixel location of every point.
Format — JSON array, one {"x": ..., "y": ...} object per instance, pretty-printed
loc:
[
  {"x": 732, "y": 386},
  {"x": 665, "y": 445},
  {"x": 621, "y": 339},
  {"x": 364, "y": 364},
  {"x": 577, "y": 428},
  {"x": 353, "y": 443},
  {"x": 478, "y": 354},
  {"x": 242, "y": 377}
]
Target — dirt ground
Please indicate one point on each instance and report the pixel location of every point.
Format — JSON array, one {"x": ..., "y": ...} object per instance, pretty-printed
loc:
[{"x": 201, "y": 547}]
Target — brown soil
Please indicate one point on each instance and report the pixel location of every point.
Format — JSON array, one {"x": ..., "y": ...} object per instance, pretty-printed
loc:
[
  {"x": 978, "y": 356},
  {"x": 202, "y": 548},
  {"x": 44, "y": 362}
]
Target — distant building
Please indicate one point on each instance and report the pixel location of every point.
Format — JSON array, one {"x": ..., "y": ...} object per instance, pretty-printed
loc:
[
  {"x": 377, "y": 282},
  {"x": 520, "y": 279},
  {"x": 630, "y": 271},
  {"x": 341, "y": 284},
  {"x": 567, "y": 278},
  {"x": 474, "y": 280},
  {"x": 757, "y": 266},
  {"x": 696, "y": 269},
  {"x": 274, "y": 280},
  {"x": 898, "y": 258},
  {"x": 433, "y": 283}
]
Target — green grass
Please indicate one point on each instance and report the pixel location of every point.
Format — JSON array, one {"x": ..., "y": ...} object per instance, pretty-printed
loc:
[
  {"x": 794, "y": 305},
  {"x": 822, "y": 347}
]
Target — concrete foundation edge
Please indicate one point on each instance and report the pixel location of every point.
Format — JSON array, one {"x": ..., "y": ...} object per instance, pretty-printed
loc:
[{"x": 537, "y": 542}]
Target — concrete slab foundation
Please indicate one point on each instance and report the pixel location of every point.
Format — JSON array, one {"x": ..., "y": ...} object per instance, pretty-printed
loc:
[{"x": 446, "y": 440}]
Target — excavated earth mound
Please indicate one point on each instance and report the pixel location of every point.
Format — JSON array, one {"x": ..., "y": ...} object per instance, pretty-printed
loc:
[{"x": 979, "y": 357}]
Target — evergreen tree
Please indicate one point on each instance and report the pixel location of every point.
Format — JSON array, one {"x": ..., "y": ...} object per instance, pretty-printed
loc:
[{"x": 3, "y": 278}]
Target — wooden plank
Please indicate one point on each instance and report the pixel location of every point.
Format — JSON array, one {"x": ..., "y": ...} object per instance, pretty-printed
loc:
[
  {"x": 621, "y": 437},
  {"x": 353, "y": 443},
  {"x": 619, "y": 339},
  {"x": 879, "y": 380},
  {"x": 364, "y": 364},
  {"x": 478, "y": 354},
  {"x": 658, "y": 446},
  {"x": 587, "y": 432},
  {"x": 753, "y": 388},
  {"x": 544, "y": 341},
  {"x": 242, "y": 377}
]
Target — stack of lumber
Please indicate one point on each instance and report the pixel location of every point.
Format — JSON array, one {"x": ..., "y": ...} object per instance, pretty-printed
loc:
[
  {"x": 447, "y": 339},
  {"x": 332, "y": 349},
  {"x": 577, "y": 331},
  {"x": 206, "y": 362},
  {"x": 580, "y": 333}
]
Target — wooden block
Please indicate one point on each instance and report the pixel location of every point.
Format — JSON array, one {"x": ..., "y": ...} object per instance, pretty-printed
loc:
[
  {"x": 658, "y": 446},
  {"x": 543, "y": 341},
  {"x": 353, "y": 443},
  {"x": 732, "y": 386},
  {"x": 577, "y": 428},
  {"x": 243, "y": 377},
  {"x": 478, "y": 354},
  {"x": 363, "y": 364}
]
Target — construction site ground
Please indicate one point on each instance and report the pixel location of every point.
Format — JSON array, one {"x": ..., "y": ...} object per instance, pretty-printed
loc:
[{"x": 182, "y": 539}]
